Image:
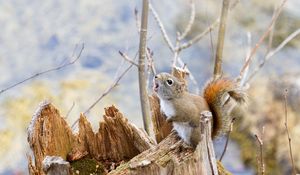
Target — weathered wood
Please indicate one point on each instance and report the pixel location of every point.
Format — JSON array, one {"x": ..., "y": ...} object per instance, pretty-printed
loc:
[
  {"x": 116, "y": 140},
  {"x": 172, "y": 156},
  {"x": 160, "y": 126},
  {"x": 48, "y": 135}
]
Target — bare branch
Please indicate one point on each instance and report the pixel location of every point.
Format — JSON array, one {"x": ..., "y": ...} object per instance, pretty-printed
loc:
[
  {"x": 221, "y": 38},
  {"x": 191, "y": 76},
  {"x": 271, "y": 35},
  {"x": 227, "y": 139},
  {"x": 69, "y": 111},
  {"x": 161, "y": 27},
  {"x": 150, "y": 61},
  {"x": 205, "y": 32},
  {"x": 127, "y": 58},
  {"x": 46, "y": 71},
  {"x": 273, "y": 52},
  {"x": 261, "y": 159},
  {"x": 262, "y": 38},
  {"x": 244, "y": 77},
  {"x": 176, "y": 52},
  {"x": 106, "y": 92},
  {"x": 141, "y": 69},
  {"x": 287, "y": 131},
  {"x": 191, "y": 21},
  {"x": 198, "y": 37}
]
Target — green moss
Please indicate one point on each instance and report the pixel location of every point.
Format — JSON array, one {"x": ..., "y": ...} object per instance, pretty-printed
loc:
[{"x": 87, "y": 166}]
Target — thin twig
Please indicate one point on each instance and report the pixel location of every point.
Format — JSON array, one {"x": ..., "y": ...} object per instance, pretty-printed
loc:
[
  {"x": 227, "y": 139},
  {"x": 145, "y": 105},
  {"x": 69, "y": 111},
  {"x": 191, "y": 76},
  {"x": 151, "y": 61},
  {"x": 191, "y": 21},
  {"x": 107, "y": 91},
  {"x": 262, "y": 38},
  {"x": 221, "y": 38},
  {"x": 244, "y": 77},
  {"x": 273, "y": 52},
  {"x": 287, "y": 131},
  {"x": 176, "y": 52},
  {"x": 170, "y": 45},
  {"x": 261, "y": 159},
  {"x": 46, "y": 71},
  {"x": 205, "y": 32},
  {"x": 271, "y": 35},
  {"x": 125, "y": 56},
  {"x": 198, "y": 37},
  {"x": 150, "y": 66},
  {"x": 161, "y": 27}
]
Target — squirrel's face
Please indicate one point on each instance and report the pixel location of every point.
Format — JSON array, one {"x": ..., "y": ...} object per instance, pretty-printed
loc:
[{"x": 167, "y": 86}]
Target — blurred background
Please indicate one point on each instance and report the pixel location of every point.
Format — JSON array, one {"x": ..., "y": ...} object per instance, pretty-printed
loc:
[{"x": 38, "y": 35}]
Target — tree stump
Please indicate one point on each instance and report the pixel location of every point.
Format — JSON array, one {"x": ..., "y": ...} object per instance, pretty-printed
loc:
[
  {"x": 116, "y": 141},
  {"x": 118, "y": 147}
]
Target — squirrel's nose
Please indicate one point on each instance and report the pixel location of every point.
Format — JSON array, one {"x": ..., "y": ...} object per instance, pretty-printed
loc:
[{"x": 155, "y": 76}]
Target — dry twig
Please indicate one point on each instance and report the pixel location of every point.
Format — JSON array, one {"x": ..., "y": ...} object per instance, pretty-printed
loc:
[
  {"x": 191, "y": 21},
  {"x": 150, "y": 60},
  {"x": 227, "y": 139},
  {"x": 126, "y": 58},
  {"x": 262, "y": 38},
  {"x": 47, "y": 71},
  {"x": 118, "y": 77},
  {"x": 161, "y": 27},
  {"x": 273, "y": 52},
  {"x": 221, "y": 37},
  {"x": 170, "y": 45},
  {"x": 69, "y": 111},
  {"x": 260, "y": 141},
  {"x": 287, "y": 132},
  {"x": 243, "y": 79}
]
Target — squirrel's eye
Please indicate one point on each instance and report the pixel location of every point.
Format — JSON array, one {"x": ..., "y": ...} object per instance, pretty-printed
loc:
[{"x": 169, "y": 82}]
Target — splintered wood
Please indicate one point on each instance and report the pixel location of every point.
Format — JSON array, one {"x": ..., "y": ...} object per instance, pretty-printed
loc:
[{"x": 50, "y": 135}]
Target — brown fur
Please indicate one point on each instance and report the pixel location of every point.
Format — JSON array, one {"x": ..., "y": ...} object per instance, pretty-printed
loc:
[{"x": 188, "y": 107}]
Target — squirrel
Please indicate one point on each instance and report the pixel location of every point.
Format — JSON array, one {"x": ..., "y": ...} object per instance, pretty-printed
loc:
[{"x": 221, "y": 97}]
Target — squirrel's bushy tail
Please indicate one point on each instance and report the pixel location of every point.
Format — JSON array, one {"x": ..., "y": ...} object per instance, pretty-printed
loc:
[{"x": 222, "y": 95}]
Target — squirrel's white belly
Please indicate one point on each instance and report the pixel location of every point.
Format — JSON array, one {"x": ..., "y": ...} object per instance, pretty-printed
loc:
[
  {"x": 184, "y": 130},
  {"x": 167, "y": 108}
]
